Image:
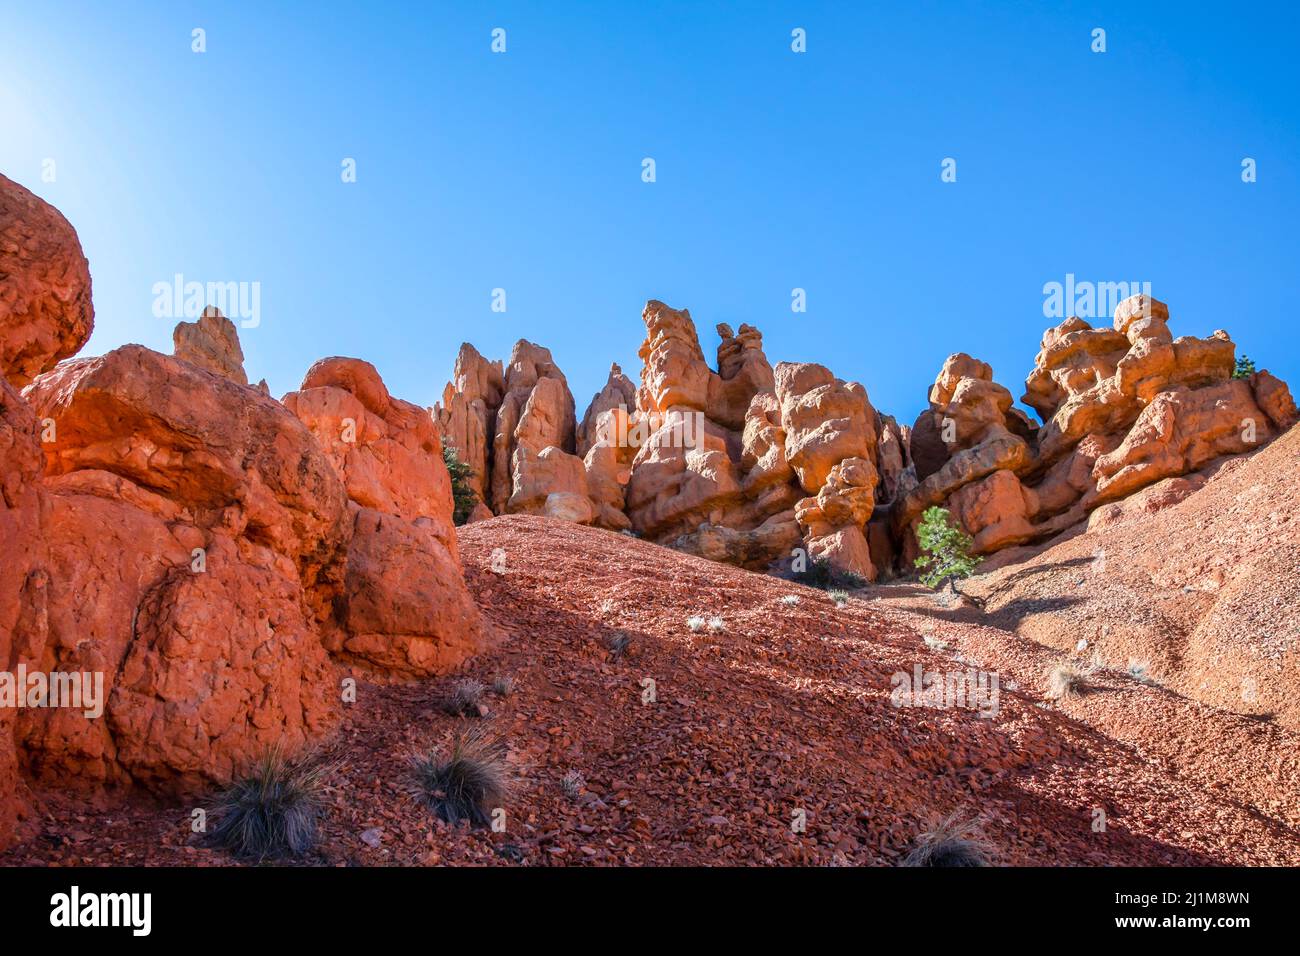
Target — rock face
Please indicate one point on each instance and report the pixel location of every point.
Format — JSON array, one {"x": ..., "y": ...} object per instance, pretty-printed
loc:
[
  {"x": 467, "y": 418},
  {"x": 743, "y": 464},
  {"x": 23, "y": 580},
  {"x": 517, "y": 430},
  {"x": 45, "y": 308},
  {"x": 211, "y": 342},
  {"x": 404, "y": 607},
  {"x": 184, "y": 552},
  {"x": 1123, "y": 408},
  {"x": 191, "y": 532}
]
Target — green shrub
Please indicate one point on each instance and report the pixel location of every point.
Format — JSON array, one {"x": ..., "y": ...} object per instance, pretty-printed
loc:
[
  {"x": 462, "y": 494},
  {"x": 1245, "y": 367},
  {"x": 945, "y": 549},
  {"x": 822, "y": 575}
]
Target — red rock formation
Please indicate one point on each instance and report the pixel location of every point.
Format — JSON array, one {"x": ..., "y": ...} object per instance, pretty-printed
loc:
[
  {"x": 189, "y": 542},
  {"x": 619, "y": 392},
  {"x": 45, "y": 309},
  {"x": 467, "y": 416},
  {"x": 23, "y": 579},
  {"x": 211, "y": 342},
  {"x": 1124, "y": 408},
  {"x": 526, "y": 426},
  {"x": 404, "y": 606},
  {"x": 192, "y": 529},
  {"x": 745, "y": 463}
]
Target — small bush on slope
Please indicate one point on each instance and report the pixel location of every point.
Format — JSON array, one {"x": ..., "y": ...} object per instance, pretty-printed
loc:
[
  {"x": 272, "y": 812},
  {"x": 1067, "y": 680},
  {"x": 823, "y": 575},
  {"x": 952, "y": 842},
  {"x": 467, "y": 782},
  {"x": 945, "y": 550},
  {"x": 466, "y": 698}
]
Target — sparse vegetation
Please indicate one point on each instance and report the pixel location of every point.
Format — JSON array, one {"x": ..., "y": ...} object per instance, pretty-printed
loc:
[
  {"x": 1139, "y": 670},
  {"x": 839, "y": 597},
  {"x": 934, "y": 643},
  {"x": 717, "y": 625},
  {"x": 503, "y": 686},
  {"x": 573, "y": 783},
  {"x": 462, "y": 494},
  {"x": 272, "y": 812},
  {"x": 696, "y": 623},
  {"x": 1244, "y": 368},
  {"x": 1067, "y": 679},
  {"x": 952, "y": 842},
  {"x": 945, "y": 550},
  {"x": 823, "y": 575},
  {"x": 607, "y": 606},
  {"x": 790, "y": 600},
  {"x": 466, "y": 698},
  {"x": 467, "y": 782},
  {"x": 617, "y": 643}
]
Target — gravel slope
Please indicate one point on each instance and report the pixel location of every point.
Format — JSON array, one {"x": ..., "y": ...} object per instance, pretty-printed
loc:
[{"x": 786, "y": 708}]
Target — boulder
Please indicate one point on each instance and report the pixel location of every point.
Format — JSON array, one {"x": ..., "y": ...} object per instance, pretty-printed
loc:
[
  {"x": 193, "y": 541},
  {"x": 825, "y": 419},
  {"x": 404, "y": 609},
  {"x": 618, "y": 393},
  {"x": 45, "y": 307}
]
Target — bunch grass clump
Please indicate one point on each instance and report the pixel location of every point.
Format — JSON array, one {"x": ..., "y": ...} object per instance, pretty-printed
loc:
[
  {"x": 1068, "y": 679},
  {"x": 467, "y": 781},
  {"x": 466, "y": 696},
  {"x": 617, "y": 643},
  {"x": 953, "y": 841},
  {"x": 573, "y": 783},
  {"x": 272, "y": 812}
]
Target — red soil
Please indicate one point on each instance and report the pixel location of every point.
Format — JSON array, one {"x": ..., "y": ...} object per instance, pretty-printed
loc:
[{"x": 787, "y": 708}]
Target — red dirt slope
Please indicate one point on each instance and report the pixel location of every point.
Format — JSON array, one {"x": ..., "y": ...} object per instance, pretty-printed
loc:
[
  {"x": 1203, "y": 586},
  {"x": 787, "y": 708}
]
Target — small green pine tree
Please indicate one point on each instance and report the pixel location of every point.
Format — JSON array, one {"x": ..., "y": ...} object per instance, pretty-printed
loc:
[
  {"x": 462, "y": 494},
  {"x": 1245, "y": 367},
  {"x": 945, "y": 549}
]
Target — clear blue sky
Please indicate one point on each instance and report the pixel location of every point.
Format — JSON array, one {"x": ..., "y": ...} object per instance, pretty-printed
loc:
[{"x": 775, "y": 170}]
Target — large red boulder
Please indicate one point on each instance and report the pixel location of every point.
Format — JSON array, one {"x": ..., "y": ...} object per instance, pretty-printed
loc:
[
  {"x": 404, "y": 607},
  {"x": 194, "y": 534},
  {"x": 45, "y": 309}
]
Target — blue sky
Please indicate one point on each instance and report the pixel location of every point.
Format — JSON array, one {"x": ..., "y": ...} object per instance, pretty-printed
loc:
[{"x": 775, "y": 171}]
